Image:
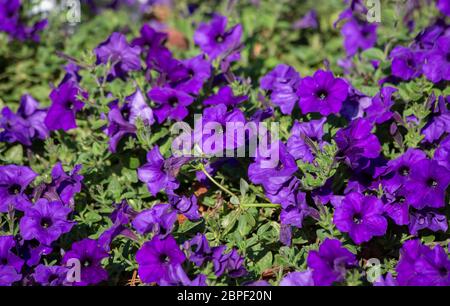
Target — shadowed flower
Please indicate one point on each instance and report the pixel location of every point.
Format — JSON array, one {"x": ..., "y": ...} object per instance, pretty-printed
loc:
[
  {"x": 89, "y": 254},
  {"x": 442, "y": 153},
  {"x": 50, "y": 275},
  {"x": 437, "y": 64},
  {"x": 230, "y": 263},
  {"x": 185, "y": 206},
  {"x": 156, "y": 257},
  {"x": 406, "y": 63},
  {"x": 198, "y": 72},
  {"x": 308, "y": 21},
  {"x": 303, "y": 278},
  {"x": 427, "y": 218},
  {"x": 380, "y": 109},
  {"x": 225, "y": 96},
  {"x": 439, "y": 122},
  {"x": 361, "y": 217},
  {"x": 26, "y": 125},
  {"x": 45, "y": 221},
  {"x": 65, "y": 105},
  {"x": 159, "y": 219},
  {"x": 330, "y": 262},
  {"x": 10, "y": 264},
  {"x": 177, "y": 277},
  {"x": 13, "y": 182},
  {"x": 322, "y": 93},
  {"x": 358, "y": 36},
  {"x": 444, "y": 6},
  {"x": 120, "y": 54},
  {"x": 282, "y": 84},
  {"x": 198, "y": 249},
  {"x": 299, "y": 145},
  {"x": 151, "y": 42}
]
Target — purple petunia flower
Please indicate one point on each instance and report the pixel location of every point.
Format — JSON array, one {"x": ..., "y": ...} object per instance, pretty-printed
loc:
[
  {"x": 152, "y": 43},
  {"x": 406, "y": 63},
  {"x": 299, "y": 145},
  {"x": 216, "y": 41},
  {"x": 444, "y": 6},
  {"x": 177, "y": 277},
  {"x": 379, "y": 110},
  {"x": 308, "y": 21},
  {"x": 123, "y": 57},
  {"x": 32, "y": 251},
  {"x": 439, "y": 122},
  {"x": 170, "y": 103},
  {"x": 186, "y": 206},
  {"x": 13, "y": 182},
  {"x": 427, "y": 218},
  {"x": 45, "y": 221},
  {"x": 198, "y": 71},
  {"x": 427, "y": 184},
  {"x": 198, "y": 249},
  {"x": 159, "y": 219},
  {"x": 228, "y": 262},
  {"x": 322, "y": 93},
  {"x": 226, "y": 97},
  {"x": 437, "y": 63},
  {"x": 330, "y": 262},
  {"x": 10, "y": 264},
  {"x": 50, "y": 275},
  {"x": 89, "y": 254},
  {"x": 282, "y": 84},
  {"x": 63, "y": 187},
  {"x": 361, "y": 217},
  {"x": 157, "y": 173},
  {"x": 356, "y": 143},
  {"x": 26, "y": 125},
  {"x": 304, "y": 278},
  {"x": 122, "y": 121},
  {"x": 65, "y": 105},
  {"x": 442, "y": 153},
  {"x": 397, "y": 208},
  {"x": 294, "y": 212},
  {"x": 397, "y": 171},
  {"x": 421, "y": 266},
  {"x": 156, "y": 257},
  {"x": 358, "y": 36},
  {"x": 273, "y": 173}
]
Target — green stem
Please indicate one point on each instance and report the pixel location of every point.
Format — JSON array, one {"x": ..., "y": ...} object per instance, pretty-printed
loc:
[
  {"x": 215, "y": 182},
  {"x": 261, "y": 205}
]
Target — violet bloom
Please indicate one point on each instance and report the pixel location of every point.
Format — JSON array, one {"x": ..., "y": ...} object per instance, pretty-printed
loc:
[
  {"x": 421, "y": 266},
  {"x": 304, "y": 278},
  {"x": 272, "y": 173},
  {"x": 444, "y": 6},
  {"x": 294, "y": 212},
  {"x": 442, "y": 153},
  {"x": 302, "y": 133},
  {"x": 355, "y": 104},
  {"x": 282, "y": 84},
  {"x": 380, "y": 109},
  {"x": 358, "y": 36},
  {"x": 230, "y": 263},
  {"x": 186, "y": 206},
  {"x": 406, "y": 63},
  {"x": 157, "y": 173},
  {"x": 437, "y": 65},
  {"x": 90, "y": 255},
  {"x": 65, "y": 105},
  {"x": 198, "y": 72},
  {"x": 120, "y": 54},
  {"x": 322, "y": 93},
  {"x": 25, "y": 125},
  {"x": 10, "y": 264},
  {"x": 397, "y": 171},
  {"x": 122, "y": 121},
  {"x": 308, "y": 21},
  {"x": 198, "y": 249},
  {"x": 397, "y": 208},
  {"x": 50, "y": 275},
  {"x": 170, "y": 103},
  {"x": 427, "y": 185},
  {"x": 45, "y": 221},
  {"x": 64, "y": 185},
  {"x": 226, "y": 97},
  {"x": 356, "y": 142},
  {"x": 215, "y": 40},
  {"x": 156, "y": 257},
  {"x": 361, "y": 217},
  {"x": 218, "y": 127},
  {"x": 32, "y": 251},
  {"x": 13, "y": 182},
  {"x": 439, "y": 122},
  {"x": 427, "y": 218},
  {"x": 159, "y": 219},
  {"x": 177, "y": 277},
  {"x": 330, "y": 262},
  {"x": 152, "y": 43}
]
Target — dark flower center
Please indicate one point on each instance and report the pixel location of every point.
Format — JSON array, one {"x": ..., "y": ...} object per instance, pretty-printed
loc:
[
  {"x": 357, "y": 218},
  {"x": 219, "y": 38},
  {"x": 403, "y": 170},
  {"x": 173, "y": 101},
  {"x": 400, "y": 199},
  {"x": 86, "y": 262},
  {"x": 69, "y": 105},
  {"x": 448, "y": 57},
  {"x": 280, "y": 166},
  {"x": 410, "y": 62},
  {"x": 322, "y": 94},
  {"x": 14, "y": 189},
  {"x": 3, "y": 261},
  {"x": 52, "y": 278},
  {"x": 431, "y": 182},
  {"x": 34, "y": 243},
  {"x": 191, "y": 73},
  {"x": 443, "y": 271},
  {"x": 46, "y": 222},
  {"x": 163, "y": 258}
]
